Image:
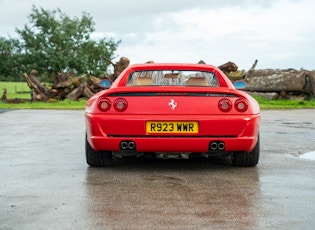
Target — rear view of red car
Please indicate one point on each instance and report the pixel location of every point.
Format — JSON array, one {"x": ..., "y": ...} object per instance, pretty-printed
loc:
[{"x": 172, "y": 111}]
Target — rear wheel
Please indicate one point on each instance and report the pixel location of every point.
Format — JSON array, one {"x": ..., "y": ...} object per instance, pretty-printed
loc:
[
  {"x": 97, "y": 159},
  {"x": 247, "y": 159}
]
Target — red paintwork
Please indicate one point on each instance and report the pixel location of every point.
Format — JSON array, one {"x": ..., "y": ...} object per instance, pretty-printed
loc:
[{"x": 239, "y": 131}]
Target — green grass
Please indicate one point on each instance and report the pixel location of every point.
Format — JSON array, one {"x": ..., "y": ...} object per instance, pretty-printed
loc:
[
  {"x": 285, "y": 104},
  {"x": 65, "y": 105},
  {"x": 21, "y": 90},
  {"x": 16, "y": 90}
]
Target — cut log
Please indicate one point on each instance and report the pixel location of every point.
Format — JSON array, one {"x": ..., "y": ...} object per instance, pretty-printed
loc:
[
  {"x": 228, "y": 67},
  {"x": 118, "y": 67},
  {"x": 94, "y": 84},
  {"x": 70, "y": 83},
  {"x": 4, "y": 95},
  {"x": 94, "y": 80},
  {"x": 60, "y": 78},
  {"x": 275, "y": 80},
  {"x": 76, "y": 93},
  {"x": 312, "y": 81},
  {"x": 40, "y": 92},
  {"x": 269, "y": 96},
  {"x": 14, "y": 100},
  {"x": 236, "y": 75},
  {"x": 87, "y": 92}
]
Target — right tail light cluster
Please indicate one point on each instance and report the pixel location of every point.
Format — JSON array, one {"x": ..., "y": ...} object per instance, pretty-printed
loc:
[{"x": 225, "y": 105}]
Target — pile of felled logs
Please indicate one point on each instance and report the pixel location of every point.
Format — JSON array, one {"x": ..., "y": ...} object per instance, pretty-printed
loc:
[
  {"x": 283, "y": 84},
  {"x": 64, "y": 86},
  {"x": 68, "y": 86},
  {"x": 274, "y": 83}
]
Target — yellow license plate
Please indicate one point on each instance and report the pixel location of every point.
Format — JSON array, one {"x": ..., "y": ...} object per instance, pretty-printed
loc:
[{"x": 172, "y": 127}]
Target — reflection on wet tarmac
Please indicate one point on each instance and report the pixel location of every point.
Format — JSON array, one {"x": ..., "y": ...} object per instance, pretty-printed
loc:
[
  {"x": 308, "y": 155},
  {"x": 172, "y": 195}
]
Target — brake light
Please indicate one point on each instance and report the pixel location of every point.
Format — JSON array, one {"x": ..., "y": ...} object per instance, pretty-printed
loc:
[
  {"x": 104, "y": 104},
  {"x": 225, "y": 105},
  {"x": 120, "y": 105},
  {"x": 241, "y": 105}
]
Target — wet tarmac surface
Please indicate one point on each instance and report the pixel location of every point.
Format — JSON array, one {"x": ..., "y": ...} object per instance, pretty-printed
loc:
[{"x": 46, "y": 183}]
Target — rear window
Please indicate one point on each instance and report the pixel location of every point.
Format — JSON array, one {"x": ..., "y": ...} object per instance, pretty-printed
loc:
[{"x": 172, "y": 78}]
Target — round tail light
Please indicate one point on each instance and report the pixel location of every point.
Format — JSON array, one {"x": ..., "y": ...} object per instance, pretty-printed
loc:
[
  {"x": 241, "y": 105},
  {"x": 120, "y": 105},
  {"x": 225, "y": 105},
  {"x": 104, "y": 104}
]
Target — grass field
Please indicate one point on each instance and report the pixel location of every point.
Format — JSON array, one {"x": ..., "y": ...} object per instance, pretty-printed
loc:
[
  {"x": 285, "y": 104},
  {"x": 21, "y": 90},
  {"x": 16, "y": 90}
]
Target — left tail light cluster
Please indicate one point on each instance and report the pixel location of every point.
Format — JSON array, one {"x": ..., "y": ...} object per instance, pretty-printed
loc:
[
  {"x": 240, "y": 105},
  {"x": 105, "y": 104}
]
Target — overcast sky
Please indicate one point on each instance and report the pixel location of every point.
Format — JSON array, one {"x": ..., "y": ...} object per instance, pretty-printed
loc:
[{"x": 279, "y": 33}]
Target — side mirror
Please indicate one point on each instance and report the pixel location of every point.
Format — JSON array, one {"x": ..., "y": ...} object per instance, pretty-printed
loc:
[
  {"x": 105, "y": 83},
  {"x": 240, "y": 84}
]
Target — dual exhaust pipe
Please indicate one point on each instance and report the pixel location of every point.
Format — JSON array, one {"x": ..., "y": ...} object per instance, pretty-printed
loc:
[
  {"x": 217, "y": 146},
  {"x": 127, "y": 145},
  {"x": 214, "y": 145}
]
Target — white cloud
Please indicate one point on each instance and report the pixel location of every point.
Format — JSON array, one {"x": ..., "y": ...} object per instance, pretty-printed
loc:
[
  {"x": 279, "y": 33},
  {"x": 274, "y": 35}
]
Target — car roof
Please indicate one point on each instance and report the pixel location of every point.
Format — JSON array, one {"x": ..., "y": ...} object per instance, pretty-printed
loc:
[
  {"x": 122, "y": 78},
  {"x": 175, "y": 66}
]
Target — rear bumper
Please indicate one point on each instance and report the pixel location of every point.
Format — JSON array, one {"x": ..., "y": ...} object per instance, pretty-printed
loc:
[
  {"x": 239, "y": 133},
  {"x": 164, "y": 144}
]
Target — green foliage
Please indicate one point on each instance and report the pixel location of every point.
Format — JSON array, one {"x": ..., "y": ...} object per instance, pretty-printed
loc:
[
  {"x": 285, "y": 104},
  {"x": 65, "y": 105},
  {"x": 54, "y": 43},
  {"x": 10, "y": 55}
]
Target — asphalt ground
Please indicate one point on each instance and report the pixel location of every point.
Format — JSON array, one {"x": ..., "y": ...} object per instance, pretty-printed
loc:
[{"x": 46, "y": 183}]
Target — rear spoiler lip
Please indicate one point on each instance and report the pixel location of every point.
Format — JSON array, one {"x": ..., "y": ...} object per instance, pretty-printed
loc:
[{"x": 154, "y": 94}]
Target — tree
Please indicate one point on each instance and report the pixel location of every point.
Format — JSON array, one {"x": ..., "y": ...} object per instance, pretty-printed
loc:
[
  {"x": 9, "y": 57},
  {"x": 55, "y": 43}
]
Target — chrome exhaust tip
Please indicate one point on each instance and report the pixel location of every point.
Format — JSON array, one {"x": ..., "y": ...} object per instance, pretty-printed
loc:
[
  {"x": 213, "y": 145},
  {"x": 131, "y": 145},
  {"x": 217, "y": 146},
  {"x": 221, "y": 146},
  {"x": 124, "y": 145}
]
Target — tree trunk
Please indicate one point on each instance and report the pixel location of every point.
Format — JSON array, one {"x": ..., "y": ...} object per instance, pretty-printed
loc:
[
  {"x": 312, "y": 81},
  {"x": 270, "y": 80},
  {"x": 118, "y": 67},
  {"x": 70, "y": 83},
  {"x": 33, "y": 83},
  {"x": 230, "y": 69},
  {"x": 87, "y": 92},
  {"x": 269, "y": 96},
  {"x": 76, "y": 93}
]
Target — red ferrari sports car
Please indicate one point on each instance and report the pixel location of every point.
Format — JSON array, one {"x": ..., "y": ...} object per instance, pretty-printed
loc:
[{"x": 172, "y": 111}]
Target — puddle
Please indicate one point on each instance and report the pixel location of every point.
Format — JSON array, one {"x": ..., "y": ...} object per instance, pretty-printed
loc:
[{"x": 308, "y": 156}]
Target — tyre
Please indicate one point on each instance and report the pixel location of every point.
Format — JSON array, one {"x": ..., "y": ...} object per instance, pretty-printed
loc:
[
  {"x": 97, "y": 159},
  {"x": 247, "y": 159}
]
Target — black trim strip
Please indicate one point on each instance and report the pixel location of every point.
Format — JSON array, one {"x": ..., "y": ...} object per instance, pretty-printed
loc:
[
  {"x": 168, "y": 136},
  {"x": 171, "y": 94}
]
